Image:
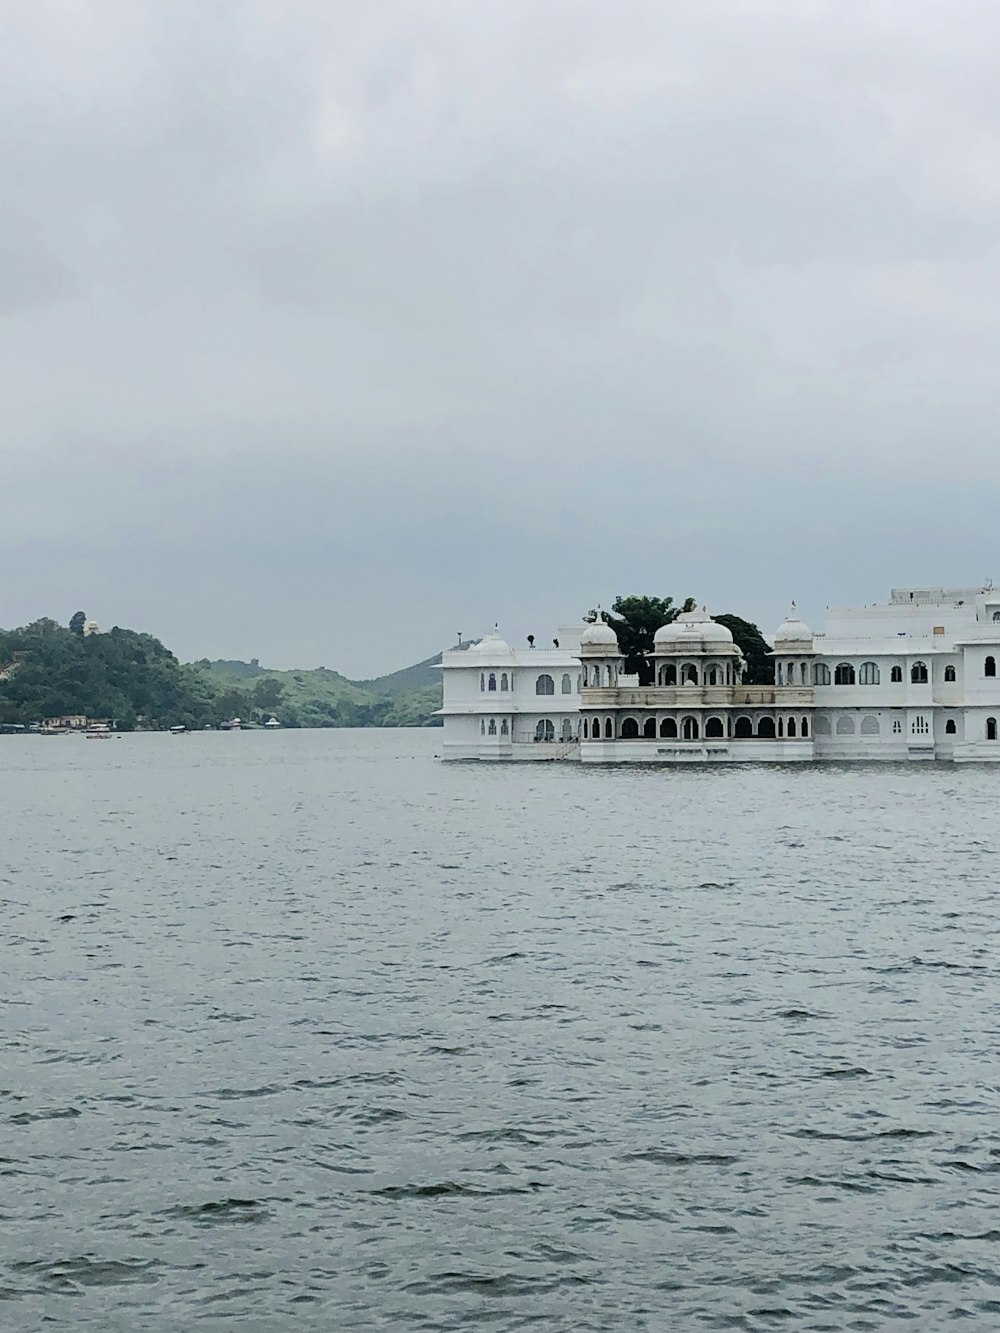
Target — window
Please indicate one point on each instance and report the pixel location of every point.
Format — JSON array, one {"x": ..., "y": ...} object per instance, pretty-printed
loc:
[
  {"x": 996, "y": 616},
  {"x": 805, "y": 728},
  {"x": 690, "y": 728},
  {"x": 609, "y": 729},
  {"x": 668, "y": 674},
  {"x": 504, "y": 728},
  {"x": 630, "y": 729},
  {"x": 991, "y": 728},
  {"x": 567, "y": 684},
  {"x": 567, "y": 730},
  {"x": 545, "y": 685},
  {"x": 482, "y": 681},
  {"x": 545, "y": 730},
  {"x": 949, "y": 727},
  {"x": 482, "y": 726},
  {"x": 781, "y": 728},
  {"x": 586, "y": 729},
  {"x": 609, "y": 681},
  {"x": 791, "y": 728},
  {"x": 896, "y": 675},
  {"x": 869, "y": 726},
  {"x": 765, "y": 728},
  {"x": 714, "y": 729},
  {"x": 578, "y": 683},
  {"x": 649, "y": 728},
  {"x": 503, "y": 682},
  {"x": 821, "y": 673},
  {"x": 868, "y": 675},
  {"x": 991, "y": 666},
  {"x": 493, "y": 681},
  {"x": 712, "y": 676},
  {"x": 781, "y": 675},
  {"x": 845, "y": 726},
  {"x": 949, "y": 673},
  {"x": 918, "y": 672},
  {"x": 821, "y": 726},
  {"x": 492, "y": 728},
  {"x": 689, "y": 674},
  {"x": 844, "y": 674},
  {"x": 919, "y": 726},
  {"x": 668, "y": 728},
  {"x": 805, "y": 673},
  {"x": 744, "y": 729}
]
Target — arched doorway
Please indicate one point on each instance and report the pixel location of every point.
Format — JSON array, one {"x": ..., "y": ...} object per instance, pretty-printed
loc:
[
  {"x": 765, "y": 728},
  {"x": 714, "y": 729},
  {"x": 690, "y": 728},
  {"x": 744, "y": 729},
  {"x": 630, "y": 729},
  {"x": 668, "y": 729},
  {"x": 649, "y": 728}
]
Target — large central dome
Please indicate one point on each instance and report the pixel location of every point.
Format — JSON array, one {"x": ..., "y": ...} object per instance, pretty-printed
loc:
[{"x": 693, "y": 632}]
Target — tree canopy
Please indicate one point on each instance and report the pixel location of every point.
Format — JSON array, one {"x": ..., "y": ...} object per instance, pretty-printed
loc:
[{"x": 750, "y": 641}]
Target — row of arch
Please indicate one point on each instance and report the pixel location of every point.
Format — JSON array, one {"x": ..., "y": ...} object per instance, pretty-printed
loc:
[
  {"x": 868, "y": 673},
  {"x": 870, "y": 726},
  {"x": 689, "y": 728},
  {"x": 545, "y": 728},
  {"x": 492, "y": 682},
  {"x": 667, "y": 674}
]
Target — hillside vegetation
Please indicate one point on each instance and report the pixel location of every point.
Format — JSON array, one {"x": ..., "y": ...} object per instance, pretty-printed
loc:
[{"x": 48, "y": 670}]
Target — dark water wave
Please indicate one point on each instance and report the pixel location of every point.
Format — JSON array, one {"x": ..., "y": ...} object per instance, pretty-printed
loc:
[{"x": 305, "y": 1031}]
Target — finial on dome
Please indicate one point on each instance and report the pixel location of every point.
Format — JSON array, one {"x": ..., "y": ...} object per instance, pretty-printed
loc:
[{"x": 793, "y": 613}]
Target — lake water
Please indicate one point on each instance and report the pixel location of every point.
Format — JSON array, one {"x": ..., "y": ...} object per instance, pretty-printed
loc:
[{"x": 310, "y": 1031}]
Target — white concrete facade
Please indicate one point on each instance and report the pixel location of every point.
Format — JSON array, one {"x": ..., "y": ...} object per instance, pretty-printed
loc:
[{"x": 914, "y": 678}]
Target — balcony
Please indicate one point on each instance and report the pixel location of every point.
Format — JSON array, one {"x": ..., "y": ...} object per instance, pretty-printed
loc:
[{"x": 699, "y": 696}]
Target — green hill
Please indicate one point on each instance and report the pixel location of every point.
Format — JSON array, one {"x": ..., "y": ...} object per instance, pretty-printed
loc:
[{"x": 47, "y": 670}]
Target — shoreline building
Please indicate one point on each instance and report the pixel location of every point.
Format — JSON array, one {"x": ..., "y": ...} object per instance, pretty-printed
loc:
[{"x": 914, "y": 678}]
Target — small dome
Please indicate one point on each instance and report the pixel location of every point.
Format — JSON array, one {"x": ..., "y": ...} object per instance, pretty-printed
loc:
[
  {"x": 491, "y": 645},
  {"x": 793, "y": 630},
  {"x": 599, "y": 635}
]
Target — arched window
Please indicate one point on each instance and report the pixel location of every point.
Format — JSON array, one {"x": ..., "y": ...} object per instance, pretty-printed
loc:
[
  {"x": 714, "y": 730},
  {"x": 805, "y": 728},
  {"x": 609, "y": 677},
  {"x": 949, "y": 673},
  {"x": 744, "y": 729},
  {"x": 821, "y": 673},
  {"x": 821, "y": 725},
  {"x": 689, "y": 674},
  {"x": 869, "y": 726},
  {"x": 896, "y": 675},
  {"x": 781, "y": 728},
  {"x": 595, "y": 676},
  {"x": 844, "y": 674},
  {"x": 578, "y": 682},
  {"x": 482, "y": 681},
  {"x": 567, "y": 729},
  {"x": 765, "y": 728},
  {"x": 567, "y": 684},
  {"x": 991, "y": 728},
  {"x": 492, "y": 728},
  {"x": 493, "y": 682},
  {"x": 482, "y": 726},
  {"x": 545, "y": 685},
  {"x": 918, "y": 673},
  {"x": 503, "y": 683},
  {"x": 919, "y": 726},
  {"x": 586, "y": 729},
  {"x": 791, "y": 728},
  {"x": 668, "y": 674},
  {"x": 712, "y": 678},
  {"x": 609, "y": 729},
  {"x": 869, "y": 674},
  {"x": 897, "y": 726},
  {"x": 690, "y": 728},
  {"x": 845, "y": 726},
  {"x": 504, "y": 728},
  {"x": 805, "y": 673},
  {"x": 949, "y": 727},
  {"x": 991, "y": 666},
  {"x": 630, "y": 729},
  {"x": 668, "y": 728},
  {"x": 649, "y": 728},
  {"x": 545, "y": 730},
  {"x": 781, "y": 675}
]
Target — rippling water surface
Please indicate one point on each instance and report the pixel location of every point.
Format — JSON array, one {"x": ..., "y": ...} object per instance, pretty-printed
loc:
[{"x": 310, "y": 1031}]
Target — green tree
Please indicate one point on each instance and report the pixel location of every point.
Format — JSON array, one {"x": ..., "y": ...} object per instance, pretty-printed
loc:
[
  {"x": 750, "y": 641},
  {"x": 635, "y": 620},
  {"x": 77, "y": 622}
]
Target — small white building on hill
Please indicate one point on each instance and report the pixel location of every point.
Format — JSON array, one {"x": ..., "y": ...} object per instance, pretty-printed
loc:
[{"x": 913, "y": 678}]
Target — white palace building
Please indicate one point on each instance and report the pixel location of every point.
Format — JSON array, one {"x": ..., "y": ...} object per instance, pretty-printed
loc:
[{"x": 913, "y": 678}]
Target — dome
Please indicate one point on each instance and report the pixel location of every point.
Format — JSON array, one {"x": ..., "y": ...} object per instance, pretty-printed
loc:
[
  {"x": 491, "y": 645},
  {"x": 693, "y": 631},
  {"x": 793, "y": 630},
  {"x": 599, "y": 635}
]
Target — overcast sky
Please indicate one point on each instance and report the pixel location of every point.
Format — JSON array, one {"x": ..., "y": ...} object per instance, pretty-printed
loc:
[{"x": 330, "y": 329}]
